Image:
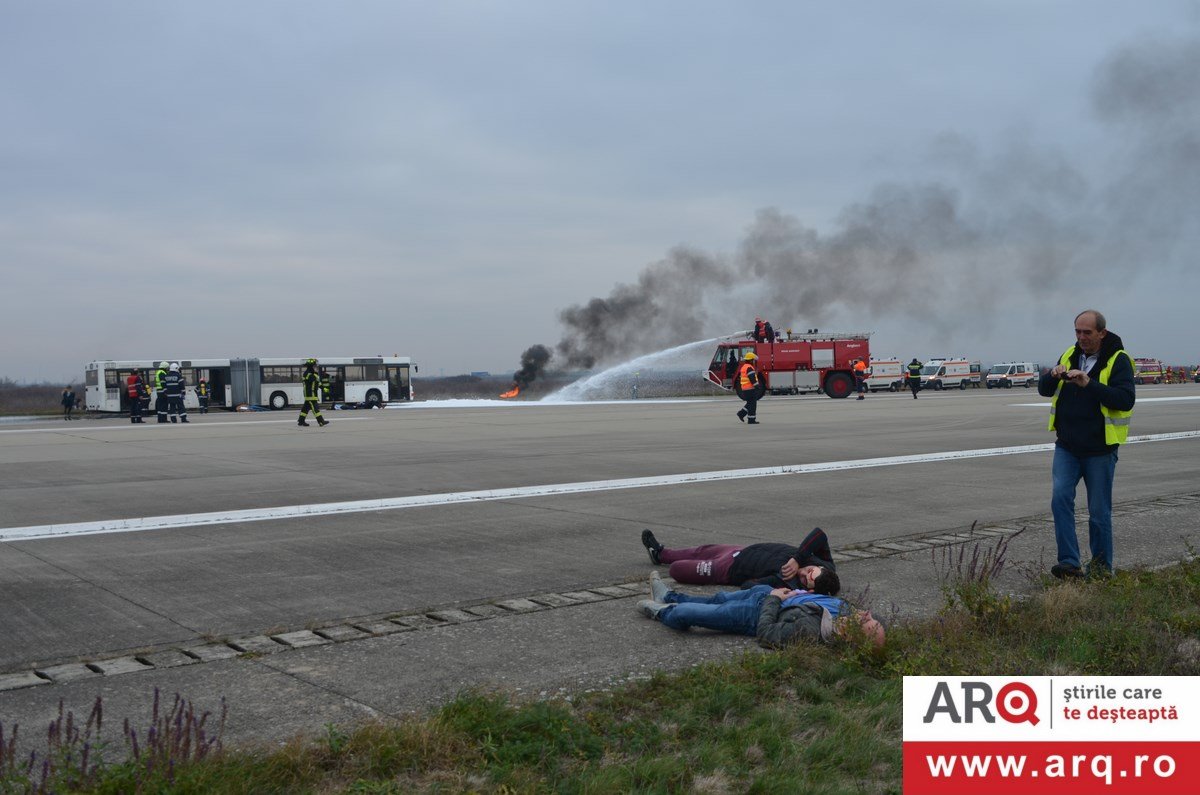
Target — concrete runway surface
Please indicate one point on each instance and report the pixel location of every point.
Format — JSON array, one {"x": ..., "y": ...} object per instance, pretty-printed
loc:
[{"x": 381, "y": 564}]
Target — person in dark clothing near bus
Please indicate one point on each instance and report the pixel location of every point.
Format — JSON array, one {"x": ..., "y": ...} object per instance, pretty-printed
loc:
[
  {"x": 1092, "y": 395},
  {"x": 133, "y": 390},
  {"x": 914, "y": 376},
  {"x": 202, "y": 395},
  {"x": 808, "y": 566},
  {"x": 750, "y": 387},
  {"x": 312, "y": 395},
  {"x": 68, "y": 402},
  {"x": 160, "y": 397},
  {"x": 175, "y": 387},
  {"x": 326, "y": 386}
]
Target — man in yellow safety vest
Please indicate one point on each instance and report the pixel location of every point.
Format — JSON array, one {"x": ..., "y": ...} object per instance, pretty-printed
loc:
[{"x": 1092, "y": 395}]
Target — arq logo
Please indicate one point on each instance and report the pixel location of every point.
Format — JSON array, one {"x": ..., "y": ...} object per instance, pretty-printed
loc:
[{"x": 1016, "y": 702}]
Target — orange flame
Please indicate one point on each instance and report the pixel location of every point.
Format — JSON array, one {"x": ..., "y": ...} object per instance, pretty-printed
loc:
[{"x": 512, "y": 393}]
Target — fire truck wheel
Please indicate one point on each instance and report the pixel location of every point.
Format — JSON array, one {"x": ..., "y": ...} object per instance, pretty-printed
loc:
[
  {"x": 839, "y": 385},
  {"x": 278, "y": 400}
]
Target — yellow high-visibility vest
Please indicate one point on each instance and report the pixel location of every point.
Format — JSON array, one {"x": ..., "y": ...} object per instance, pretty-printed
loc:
[{"x": 1116, "y": 423}]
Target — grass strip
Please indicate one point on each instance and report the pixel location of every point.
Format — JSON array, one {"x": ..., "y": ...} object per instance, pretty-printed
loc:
[{"x": 807, "y": 719}]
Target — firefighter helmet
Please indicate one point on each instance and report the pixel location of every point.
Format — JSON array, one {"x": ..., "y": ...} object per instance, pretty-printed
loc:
[
  {"x": 162, "y": 365},
  {"x": 174, "y": 367},
  {"x": 750, "y": 356},
  {"x": 310, "y": 361}
]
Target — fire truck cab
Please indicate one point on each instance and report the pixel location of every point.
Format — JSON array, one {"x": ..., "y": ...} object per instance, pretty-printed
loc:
[{"x": 796, "y": 364}]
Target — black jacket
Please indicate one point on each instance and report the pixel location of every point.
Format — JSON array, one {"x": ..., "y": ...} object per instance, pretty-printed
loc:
[
  {"x": 1078, "y": 423},
  {"x": 759, "y": 564}
]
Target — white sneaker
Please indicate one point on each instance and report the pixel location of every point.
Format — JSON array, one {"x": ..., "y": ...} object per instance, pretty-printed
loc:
[{"x": 658, "y": 588}]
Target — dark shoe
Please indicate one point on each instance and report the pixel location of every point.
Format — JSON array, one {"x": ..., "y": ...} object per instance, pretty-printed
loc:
[
  {"x": 652, "y": 546},
  {"x": 650, "y": 608},
  {"x": 322, "y": 421},
  {"x": 174, "y": 419},
  {"x": 752, "y": 421},
  {"x": 1064, "y": 572},
  {"x": 860, "y": 397},
  {"x": 658, "y": 588},
  {"x": 742, "y": 415},
  {"x": 183, "y": 419},
  {"x": 302, "y": 422}
]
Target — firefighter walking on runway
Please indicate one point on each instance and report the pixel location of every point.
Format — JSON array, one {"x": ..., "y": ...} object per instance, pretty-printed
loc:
[
  {"x": 312, "y": 395},
  {"x": 914, "y": 376},
  {"x": 749, "y": 386}
]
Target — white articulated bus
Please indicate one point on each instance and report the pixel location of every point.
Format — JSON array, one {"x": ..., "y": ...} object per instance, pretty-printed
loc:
[{"x": 275, "y": 383}]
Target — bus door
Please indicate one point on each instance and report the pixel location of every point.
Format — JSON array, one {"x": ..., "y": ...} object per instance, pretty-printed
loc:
[
  {"x": 397, "y": 377},
  {"x": 337, "y": 383},
  {"x": 218, "y": 379}
]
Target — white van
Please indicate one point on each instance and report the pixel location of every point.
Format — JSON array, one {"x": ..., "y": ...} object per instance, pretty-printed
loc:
[
  {"x": 1009, "y": 374},
  {"x": 885, "y": 374},
  {"x": 950, "y": 374}
]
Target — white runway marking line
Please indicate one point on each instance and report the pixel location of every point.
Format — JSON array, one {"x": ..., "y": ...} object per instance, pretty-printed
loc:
[
  {"x": 524, "y": 492},
  {"x": 133, "y": 427}
]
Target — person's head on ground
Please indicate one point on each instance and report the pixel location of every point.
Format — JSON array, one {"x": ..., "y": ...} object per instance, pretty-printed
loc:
[
  {"x": 861, "y": 624},
  {"x": 823, "y": 580},
  {"x": 1090, "y": 331}
]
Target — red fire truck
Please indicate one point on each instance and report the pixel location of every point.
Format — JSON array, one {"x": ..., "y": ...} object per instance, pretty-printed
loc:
[{"x": 798, "y": 363}]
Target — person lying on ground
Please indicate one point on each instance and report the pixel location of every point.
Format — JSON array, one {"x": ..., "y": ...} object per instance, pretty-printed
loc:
[
  {"x": 775, "y": 616},
  {"x": 808, "y": 566}
]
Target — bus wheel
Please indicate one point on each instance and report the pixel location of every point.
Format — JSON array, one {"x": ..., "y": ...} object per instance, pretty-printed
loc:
[
  {"x": 374, "y": 398},
  {"x": 279, "y": 400},
  {"x": 839, "y": 385}
]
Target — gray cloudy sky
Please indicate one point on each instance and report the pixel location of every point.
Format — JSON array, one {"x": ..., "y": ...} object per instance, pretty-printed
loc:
[{"x": 443, "y": 179}]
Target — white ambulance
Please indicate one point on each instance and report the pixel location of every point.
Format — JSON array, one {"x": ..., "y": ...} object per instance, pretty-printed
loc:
[
  {"x": 1009, "y": 374},
  {"x": 951, "y": 374},
  {"x": 885, "y": 374}
]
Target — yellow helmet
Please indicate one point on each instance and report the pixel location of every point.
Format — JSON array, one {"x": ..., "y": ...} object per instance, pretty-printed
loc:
[{"x": 750, "y": 356}]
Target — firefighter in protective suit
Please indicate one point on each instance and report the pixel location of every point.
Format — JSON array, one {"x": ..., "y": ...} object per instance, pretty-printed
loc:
[
  {"x": 326, "y": 386},
  {"x": 174, "y": 386},
  {"x": 312, "y": 395},
  {"x": 750, "y": 387},
  {"x": 914, "y": 376},
  {"x": 160, "y": 397}
]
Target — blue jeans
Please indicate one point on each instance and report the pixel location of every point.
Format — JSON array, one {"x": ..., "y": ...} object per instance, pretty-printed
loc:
[
  {"x": 1097, "y": 472},
  {"x": 735, "y": 612}
]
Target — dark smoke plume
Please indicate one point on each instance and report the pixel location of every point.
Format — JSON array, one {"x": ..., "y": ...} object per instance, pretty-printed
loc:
[
  {"x": 533, "y": 361},
  {"x": 1026, "y": 223}
]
